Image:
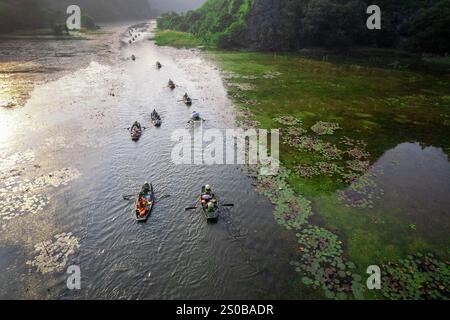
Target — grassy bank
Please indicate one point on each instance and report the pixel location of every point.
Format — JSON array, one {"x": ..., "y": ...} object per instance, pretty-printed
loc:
[
  {"x": 176, "y": 39},
  {"x": 338, "y": 115}
]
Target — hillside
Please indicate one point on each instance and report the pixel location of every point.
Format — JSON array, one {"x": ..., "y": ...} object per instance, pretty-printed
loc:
[
  {"x": 416, "y": 25},
  {"x": 34, "y": 14}
]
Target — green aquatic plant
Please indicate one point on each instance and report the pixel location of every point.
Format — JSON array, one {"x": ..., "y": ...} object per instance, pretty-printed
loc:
[
  {"x": 419, "y": 276},
  {"x": 322, "y": 262},
  {"x": 292, "y": 136},
  {"x": 53, "y": 255},
  {"x": 291, "y": 210},
  {"x": 325, "y": 128},
  {"x": 288, "y": 121}
]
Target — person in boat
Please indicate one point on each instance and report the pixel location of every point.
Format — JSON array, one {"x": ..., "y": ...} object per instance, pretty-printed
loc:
[
  {"x": 171, "y": 83},
  {"x": 158, "y": 64},
  {"x": 154, "y": 114},
  {"x": 211, "y": 207},
  {"x": 142, "y": 204},
  {"x": 146, "y": 188},
  {"x": 133, "y": 57},
  {"x": 136, "y": 125},
  {"x": 195, "y": 116},
  {"x": 208, "y": 196},
  {"x": 186, "y": 97}
]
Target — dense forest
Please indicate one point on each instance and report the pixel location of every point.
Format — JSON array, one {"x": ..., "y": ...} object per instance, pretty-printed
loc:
[
  {"x": 415, "y": 25},
  {"x": 33, "y": 14}
]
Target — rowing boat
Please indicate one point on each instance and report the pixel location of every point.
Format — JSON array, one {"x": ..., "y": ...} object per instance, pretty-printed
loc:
[
  {"x": 187, "y": 100},
  {"x": 156, "y": 119},
  {"x": 211, "y": 217},
  {"x": 136, "y": 131},
  {"x": 148, "y": 196}
]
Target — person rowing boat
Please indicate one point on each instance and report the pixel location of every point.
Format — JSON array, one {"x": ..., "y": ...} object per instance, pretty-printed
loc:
[
  {"x": 156, "y": 118},
  {"x": 145, "y": 202},
  {"x": 158, "y": 65},
  {"x": 195, "y": 116},
  {"x": 171, "y": 84},
  {"x": 187, "y": 100},
  {"x": 136, "y": 131},
  {"x": 208, "y": 201}
]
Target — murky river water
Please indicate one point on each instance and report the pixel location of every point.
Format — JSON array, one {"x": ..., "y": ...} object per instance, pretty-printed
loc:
[
  {"x": 68, "y": 156},
  {"x": 68, "y": 160}
]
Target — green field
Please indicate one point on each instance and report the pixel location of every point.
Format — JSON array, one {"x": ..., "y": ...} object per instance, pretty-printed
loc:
[{"x": 338, "y": 115}]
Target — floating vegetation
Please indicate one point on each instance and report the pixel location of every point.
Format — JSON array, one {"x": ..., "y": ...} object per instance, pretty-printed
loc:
[
  {"x": 243, "y": 86},
  {"x": 22, "y": 196},
  {"x": 228, "y": 75},
  {"x": 271, "y": 74},
  {"x": 57, "y": 142},
  {"x": 329, "y": 169},
  {"x": 416, "y": 277},
  {"x": 307, "y": 172},
  {"x": 358, "y": 165},
  {"x": 249, "y": 102},
  {"x": 323, "y": 264},
  {"x": 293, "y": 136},
  {"x": 325, "y": 128},
  {"x": 364, "y": 191},
  {"x": 288, "y": 121},
  {"x": 291, "y": 210},
  {"x": 247, "y": 123},
  {"x": 52, "y": 255},
  {"x": 16, "y": 159},
  {"x": 357, "y": 153}
]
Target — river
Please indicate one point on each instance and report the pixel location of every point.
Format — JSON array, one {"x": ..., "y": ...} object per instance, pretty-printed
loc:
[{"x": 68, "y": 160}]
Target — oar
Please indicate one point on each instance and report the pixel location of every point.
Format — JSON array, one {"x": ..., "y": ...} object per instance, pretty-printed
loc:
[
  {"x": 228, "y": 205},
  {"x": 128, "y": 197},
  {"x": 190, "y": 208}
]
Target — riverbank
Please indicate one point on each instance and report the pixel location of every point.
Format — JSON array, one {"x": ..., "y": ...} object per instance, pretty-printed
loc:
[
  {"x": 364, "y": 143},
  {"x": 28, "y": 59}
]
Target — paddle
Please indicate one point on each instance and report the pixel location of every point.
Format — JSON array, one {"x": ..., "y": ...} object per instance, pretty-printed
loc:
[
  {"x": 223, "y": 205},
  {"x": 128, "y": 197}
]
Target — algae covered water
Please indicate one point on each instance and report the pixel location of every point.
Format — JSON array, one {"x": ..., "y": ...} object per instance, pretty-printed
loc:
[{"x": 68, "y": 161}]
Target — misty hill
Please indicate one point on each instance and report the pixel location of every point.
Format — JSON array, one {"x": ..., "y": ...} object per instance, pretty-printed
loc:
[
  {"x": 174, "y": 5},
  {"x": 106, "y": 10},
  {"x": 419, "y": 25},
  {"x": 34, "y": 14}
]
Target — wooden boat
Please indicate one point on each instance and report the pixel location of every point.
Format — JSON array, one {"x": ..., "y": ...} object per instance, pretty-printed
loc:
[
  {"x": 149, "y": 197},
  {"x": 187, "y": 101},
  {"x": 136, "y": 131},
  {"x": 211, "y": 217},
  {"x": 156, "y": 119},
  {"x": 196, "y": 117}
]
